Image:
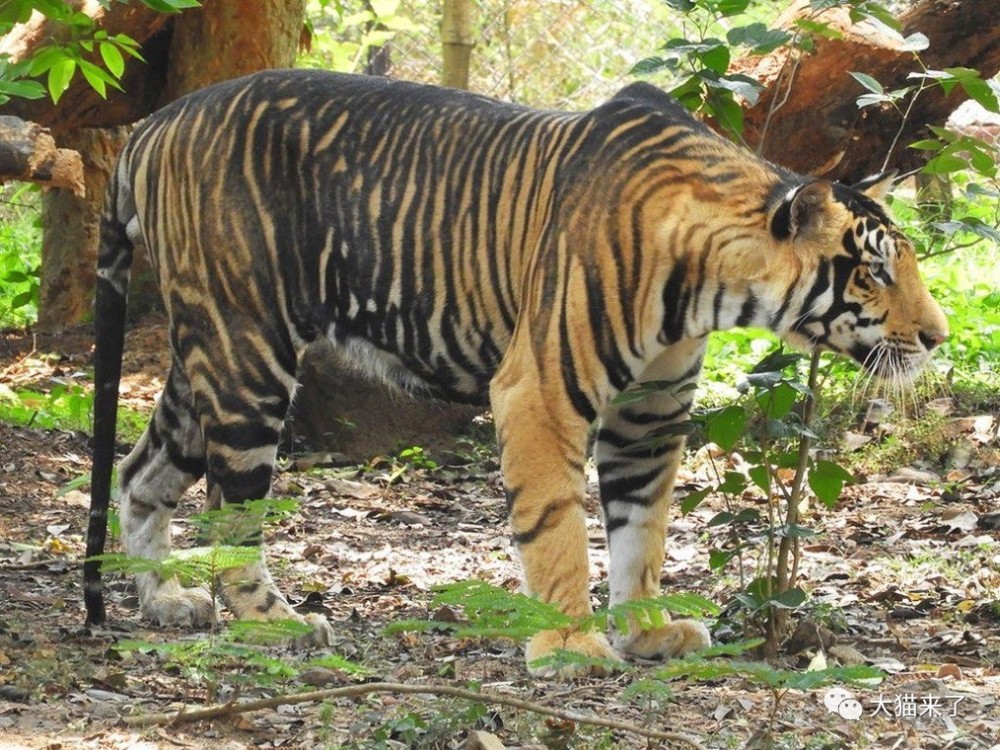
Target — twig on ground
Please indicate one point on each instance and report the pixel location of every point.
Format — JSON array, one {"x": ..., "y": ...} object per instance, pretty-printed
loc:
[
  {"x": 36, "y": 564},
  {"x": 188, "y": 714}
]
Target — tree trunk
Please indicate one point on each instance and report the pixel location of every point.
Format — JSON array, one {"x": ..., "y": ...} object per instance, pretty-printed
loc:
[
  {"x": 819, "y": 129},
  {"x": 456, "y": 43},
  {"x": 71, "y": 231},
  {"x": 227, "y": 38}
]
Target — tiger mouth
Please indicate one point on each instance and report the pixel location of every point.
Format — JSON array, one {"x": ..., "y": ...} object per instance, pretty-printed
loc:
[{"x": 888, "y": 362}]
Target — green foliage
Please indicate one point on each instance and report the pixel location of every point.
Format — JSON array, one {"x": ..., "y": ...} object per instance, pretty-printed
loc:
[
  {"x": 490, "y": 612},
  {"x": 343, "y": 34},
  {"x": 700, "y": 64},
  {"x": 699, "y": 61},
  {"x": 648, "y": 613},
  {"x": 238, "y": 654},
  {"x": 192, "y": 566},
  {"x": 226, "y": 532},
  {"x": 84, "y": 47},
  {"x": 493, "y": 612},
  {"x": 20, "y": 259},
  {"x": 239, "y": 523},
  {"x": 765, "y": 425},
  {"x": 764, "y": 675},
  {"x": 417, "y": 458},
  {"x": 64, "y": 407}
]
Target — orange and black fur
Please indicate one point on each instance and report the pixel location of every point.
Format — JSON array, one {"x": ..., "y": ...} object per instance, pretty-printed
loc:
[{"x": 469, "y": 249}]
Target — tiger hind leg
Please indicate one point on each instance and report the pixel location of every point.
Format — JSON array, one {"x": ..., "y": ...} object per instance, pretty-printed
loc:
[
  {"x": 636, "y": 483},
  {"x": 241, "y": 448},
  {"x": 166, "y": 461}
]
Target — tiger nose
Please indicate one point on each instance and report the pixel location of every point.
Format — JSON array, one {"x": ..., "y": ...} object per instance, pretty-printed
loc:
[{"x": 931, "y": 339}]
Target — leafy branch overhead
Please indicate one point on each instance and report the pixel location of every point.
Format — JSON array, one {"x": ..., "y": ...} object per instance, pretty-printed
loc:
[
  {"x": 785, "y": 87},
  {"x": 77, "y": 56}
]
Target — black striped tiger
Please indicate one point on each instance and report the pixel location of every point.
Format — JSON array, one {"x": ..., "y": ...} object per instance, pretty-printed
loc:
[{"x": 464, "y": 248}]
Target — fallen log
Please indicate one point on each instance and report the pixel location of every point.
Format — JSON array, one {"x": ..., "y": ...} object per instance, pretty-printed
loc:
[{"x": 807, "y": 118}]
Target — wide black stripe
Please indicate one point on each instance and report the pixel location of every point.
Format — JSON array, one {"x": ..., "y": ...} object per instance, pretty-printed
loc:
[
  {"x": 242, "y": 436},
  {"x": 675, "y": 302},
  {"x": 544, "y": 521},
  {"x": 627, "y": 488}
]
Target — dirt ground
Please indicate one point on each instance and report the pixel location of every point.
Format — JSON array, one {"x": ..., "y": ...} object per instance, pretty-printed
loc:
[{"x": 904, "y": 575}]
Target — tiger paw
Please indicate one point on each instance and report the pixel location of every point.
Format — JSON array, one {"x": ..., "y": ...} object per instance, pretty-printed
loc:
[
  {"x": 170, "y": 604},
  {"x": 592, "y": 645},
  {"x": 673, "y": 639},
  {"x": 321, "y": 636}
]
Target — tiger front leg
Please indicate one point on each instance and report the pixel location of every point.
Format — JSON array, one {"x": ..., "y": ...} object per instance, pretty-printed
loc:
[
  {"x": 543, "y": 449},
  {"x": 638, "y": 451}
]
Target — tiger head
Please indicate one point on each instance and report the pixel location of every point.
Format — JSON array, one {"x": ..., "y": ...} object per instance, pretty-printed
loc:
[{"x": 859, "y": 291}]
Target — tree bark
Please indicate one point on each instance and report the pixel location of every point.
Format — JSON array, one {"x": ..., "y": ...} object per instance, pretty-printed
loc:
[
  {"x": 819, "y": 129},
  {"x": 71, "y": 231},
  {"x": 29, "y": 153},
  {"x": 227, "y": 39}
]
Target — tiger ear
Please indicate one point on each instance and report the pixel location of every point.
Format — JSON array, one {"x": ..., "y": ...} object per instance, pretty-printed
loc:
[
  {"x": 802, "y": 211},
  {"x": 877, "y": 186}
]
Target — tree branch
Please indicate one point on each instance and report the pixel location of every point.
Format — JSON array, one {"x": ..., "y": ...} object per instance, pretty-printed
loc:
[
  {"x": 28, "y": 152},
  {"x": 352, "y": 691}
]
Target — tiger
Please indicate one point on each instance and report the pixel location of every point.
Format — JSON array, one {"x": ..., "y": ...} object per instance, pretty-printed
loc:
[{"x": 472, "y": 250}]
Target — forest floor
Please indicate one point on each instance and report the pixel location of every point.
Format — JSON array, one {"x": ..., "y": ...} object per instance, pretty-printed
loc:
[{"x": 903, "y": 575}]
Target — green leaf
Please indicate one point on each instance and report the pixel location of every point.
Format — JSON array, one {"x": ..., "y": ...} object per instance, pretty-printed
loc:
[
  {"x": 819, "y": 28},
  {"x": 790, "y": 599},
  {"x": 727, "y": 111},
  {"x": 761, "y": 477},
  {"x": 693, "y": 499},
  {"x": 732, "y": 7},
  {"x": 113, "y": 59},
  {"x": 45, "y": 58},
  {"x": 868, "y": 82},
  {"x": 725, "y": 426},
  {"x": 267, "y": 632},
  {"x": 171, "y": 6},
  {"x": 719, "y": 559},
  {"x": 867, "y": 100},
  {"x": 945, "y": 163},
  {"x": 777, "y": 361},
  {"x": 778, "y": 401},
  {"x": 716, "y": 59},
  {"x": 60, "y": 75},
  {"x": 758, "y": 37},
  {"x": 74, "y": 484},
  {"x": 22, "y": 299},
  {"x": 916, "y": 42},
  {"x": 927, "y": 144},
  {"x": 95, "y": 77},
  {"x": 827, "y": 479},
  {"x": 649, "y": 65},
  {"x": 23, "y": 89},
  {"x": 733, "y": 484},
  {"x": 738, "y": 84},
  {"x": 794, "y": 531}
]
